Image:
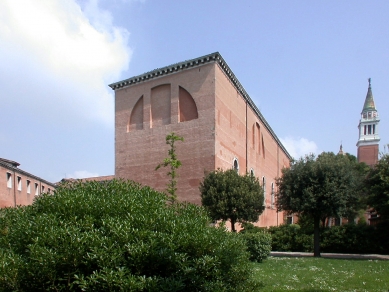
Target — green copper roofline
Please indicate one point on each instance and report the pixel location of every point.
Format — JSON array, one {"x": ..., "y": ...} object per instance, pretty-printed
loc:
[
  {"x": 211, "y": 58},
  {"x": 369, "y": 101}
]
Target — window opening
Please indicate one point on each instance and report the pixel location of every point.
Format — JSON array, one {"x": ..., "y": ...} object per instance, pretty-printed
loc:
[
  {"x": 264, "y": 189},
  {"x": 19, "y": 183},
  {"x": 9, "y": 180},
  {"x": 236, "y": 165},
  {"x": 289, "y": 219},
  {"x": 28, "y": 184},
  {"x": 36, "y": 189}
]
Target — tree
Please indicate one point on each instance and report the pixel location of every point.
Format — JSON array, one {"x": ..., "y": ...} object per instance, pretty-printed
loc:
[
  {"x": 228, "y": 196},
  {"x": 117, "y": 236},
  {"x": 377, "y": 187},
  {"x": 326, "y": 186},
  {"x": 172, "y": 162}
]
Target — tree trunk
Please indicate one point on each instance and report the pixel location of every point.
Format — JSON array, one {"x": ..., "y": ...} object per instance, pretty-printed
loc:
[
  {"x": 233, "y": 225},
  {"x": 316, "y": 237}
]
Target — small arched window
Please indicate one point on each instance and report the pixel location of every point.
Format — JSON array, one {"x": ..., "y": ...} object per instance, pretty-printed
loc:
[
  {"x": 236, "y": 165},
  {"x": 264, "y": 189},
  {"x": 252, "y": 172}
]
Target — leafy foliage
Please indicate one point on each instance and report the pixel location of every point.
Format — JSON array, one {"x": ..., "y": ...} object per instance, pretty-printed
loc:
[
  {"x": 117, "y": 236},
  {"x": 229, "y": 196},
  {"x": 377, "y": 184},
  {"x": 172, "y": 162},
  {"x": 349, "y": 238},
  {"x": 324, "y": 187},
  {"x": 291, "y": 237},
  {"x": 258, "y": 245}
]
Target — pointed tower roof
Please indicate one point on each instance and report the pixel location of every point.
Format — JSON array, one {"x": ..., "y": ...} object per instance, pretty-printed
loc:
[
  {"x": 369, "y": 101},
  {"x": 341, "y": 150}
]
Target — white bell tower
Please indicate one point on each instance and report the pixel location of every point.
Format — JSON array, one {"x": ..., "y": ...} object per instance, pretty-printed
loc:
[{"x": 368, "y": 142}]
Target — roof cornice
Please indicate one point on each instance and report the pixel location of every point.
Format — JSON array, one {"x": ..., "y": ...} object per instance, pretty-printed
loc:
[
  {"x": 200, "y": 61},
  {"x": 18, "y": 170},
  {"x": 166, "y": 71}
]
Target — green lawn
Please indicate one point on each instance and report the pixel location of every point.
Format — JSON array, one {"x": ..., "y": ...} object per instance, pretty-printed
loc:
[{"x": 322, "y": 274}]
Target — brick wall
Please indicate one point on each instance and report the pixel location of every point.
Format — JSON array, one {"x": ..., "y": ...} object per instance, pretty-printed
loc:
[
  {"x": 19, "y": 188},
  {"x": 213, "y": 140}
]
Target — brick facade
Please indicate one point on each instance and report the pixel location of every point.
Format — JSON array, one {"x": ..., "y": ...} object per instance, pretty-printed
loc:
[
  {"x": 202, "y": 101},
  {"x": 18, "y": 187},
  {"x": 368, "y": 154}
]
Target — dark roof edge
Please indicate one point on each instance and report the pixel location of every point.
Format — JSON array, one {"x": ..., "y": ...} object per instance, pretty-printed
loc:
[
  {"x": 227, "y": 70},
  {"x": 166, "y": 70},
  {"x": 214, "y": 57},
  {"x": 18, "y": 170}
]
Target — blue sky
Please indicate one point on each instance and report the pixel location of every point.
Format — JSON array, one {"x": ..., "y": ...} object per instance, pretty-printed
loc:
[{"x": 304, "y": 63}]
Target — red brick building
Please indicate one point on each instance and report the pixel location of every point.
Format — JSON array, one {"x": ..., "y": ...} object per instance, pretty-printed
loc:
[
  {"x": 203, "y": 101},
  {"x": 18, "y": 187}
]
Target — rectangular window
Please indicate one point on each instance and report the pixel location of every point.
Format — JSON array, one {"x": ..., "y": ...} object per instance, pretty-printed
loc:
[
  {"x": 373, "y": 129},
  {"x": 19, "y": 183},
  {"x": 36, "y": 189},
  {"x": 364, "y": 130},
  {"x": 369, "y": 129},
  {"x": 289, "y": 220},
  {"x": 9, "y": 180},
  {"x": 43, "y": 189},
  {"x": 28, "y": 187}
]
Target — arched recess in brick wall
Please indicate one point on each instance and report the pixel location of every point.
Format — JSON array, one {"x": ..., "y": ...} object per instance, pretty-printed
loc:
[
  {"x": 160, "y": 105},
  {"x": 187, "y": 106},
  {"x": 263, "y": 147},
  {"x": 256, "y": 137},
  {"x": 136, "y": 117}
]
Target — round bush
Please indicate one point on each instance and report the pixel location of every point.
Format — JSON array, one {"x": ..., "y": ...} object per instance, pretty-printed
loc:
[
  {"x": 258, "y": 245},
  {"x": 117, "y": 236}
]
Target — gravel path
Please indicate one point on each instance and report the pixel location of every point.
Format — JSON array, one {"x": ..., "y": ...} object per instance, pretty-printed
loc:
[{"x": 331, "y": 255}]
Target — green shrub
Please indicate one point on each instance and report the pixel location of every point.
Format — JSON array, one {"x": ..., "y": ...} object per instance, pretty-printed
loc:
[
  {"x": 350, "y": 238},
  {"x": 358, "y": 238},
  {"x": 258, "y": 245},
  {"x": 251, "y": 228},
  {"x": 290, "y": 237},
  {"x": 117, "y": 236}
]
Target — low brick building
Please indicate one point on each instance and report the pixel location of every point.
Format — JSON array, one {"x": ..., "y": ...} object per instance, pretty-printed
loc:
[
  {"x": 203, "y": 101},
  {"x": 18, "y": 187}
]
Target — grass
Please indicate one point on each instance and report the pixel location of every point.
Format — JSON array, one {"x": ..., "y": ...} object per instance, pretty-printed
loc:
[{"x": 322, "y": 274}]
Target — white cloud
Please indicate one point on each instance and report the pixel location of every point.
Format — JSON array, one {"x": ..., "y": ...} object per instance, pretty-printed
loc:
[
  {"x": 299, "y": 147},
  {"x": 58, "y": 60},
  {"x": 82, "y": 174}
]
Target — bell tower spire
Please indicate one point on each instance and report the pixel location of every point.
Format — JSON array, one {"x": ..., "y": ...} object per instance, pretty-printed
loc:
[{"x": 369, "y": 139}]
